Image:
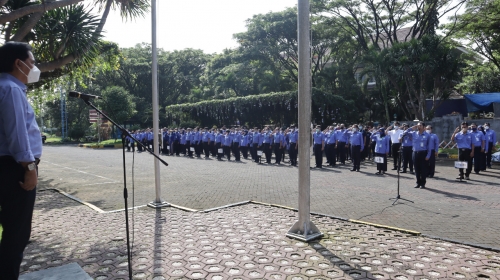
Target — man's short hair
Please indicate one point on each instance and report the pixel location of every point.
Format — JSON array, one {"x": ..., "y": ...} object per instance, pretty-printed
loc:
[
  {"x": 11, "y": 51},
  {"x": 464, "y": 123},
  {"x": 396, "y": 123},
  {"x": 421, "y": 123}
]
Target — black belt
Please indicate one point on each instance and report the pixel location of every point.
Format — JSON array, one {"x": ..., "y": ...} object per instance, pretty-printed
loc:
[
  {"x": 464, "y": 149},
  {"x": 420, "y": 152},
  {"x": 10, "y": 158}
]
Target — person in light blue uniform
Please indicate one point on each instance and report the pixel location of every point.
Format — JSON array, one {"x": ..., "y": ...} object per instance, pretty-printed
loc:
[
  {"x": 421, "y": 152},
  {"x": 205, "y": 138},
  {"x": 244, "y": 144},
  {"x": 20, "y": 152},
  {"x": 465, "y": 149},
  {"x": 228, "y": 141},
  {"x": 257, "y": 142},
  {"x": 357, "y": 145},
  {"x": 490, "y": 141},
  {"x": 250, "y": 143},
  {"x": 165, "y": 141},
  {"x": 293, "y": 137},
  {"x": 236, "y": 144},
  {"x": 182, "y": 142},
  {"x": 382, "y": 143},
  {"x": 478, "y": 140},
  {"x": 277, "y": 145},
  {"x": 407, "y": 146},
  {"x": 266, "y": 144},
  {"x": 341, "y": 143},
  {"x": 331, "y": 147},
  {"x": 218, "y": 144},
  {"x": 319, "y": 146},
  {"x": 197, "y": 142},
  {"x": 434, "y": 145}
]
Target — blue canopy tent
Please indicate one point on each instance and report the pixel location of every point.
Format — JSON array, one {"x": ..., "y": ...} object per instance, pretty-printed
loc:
[{"x": 481, "y": 101}]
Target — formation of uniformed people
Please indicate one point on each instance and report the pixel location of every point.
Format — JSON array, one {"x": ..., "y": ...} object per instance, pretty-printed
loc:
[
  {"x": 475, "y": 145},
  {"x": 412, "y": 149}
]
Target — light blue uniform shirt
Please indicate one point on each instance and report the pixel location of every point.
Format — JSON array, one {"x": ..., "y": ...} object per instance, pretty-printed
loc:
[
  {"x": 407, "y": 141},
  {"x": 491, "y": 136},
  {"x": 434, "y": 142},
  {"x": 204, "y": 136},
  {"x": 228, "y": 140},
  {"x": 382, "y": 143},
  {"x": 464, "y": 141},
  {"x": 183, "y": 138},
  {"x": 244, "y": 140},
  {"x": 277, "y": 138},
  {"x": 356, "y": 139},
  {"x": 19, "y": 133},
  {"x": 211, "y": 136},
  {"x": 267, "y": 137},
  {"x": 477, "y": 139},
  {"x": 342, "y": 135},
  {"x": 219, "y": 137},
  {"x": 236, "y": 137},
  {"x": 294, "y": 136},
  {"x": 318, "y": 137},
  {"x": 420, "y": 141}
]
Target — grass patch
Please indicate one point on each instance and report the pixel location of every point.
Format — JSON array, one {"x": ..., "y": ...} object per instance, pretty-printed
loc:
[
  {"x": 106, "y": 142},
  {"x": 449, "y": 151},
  {"x": 53, "y": 140}
]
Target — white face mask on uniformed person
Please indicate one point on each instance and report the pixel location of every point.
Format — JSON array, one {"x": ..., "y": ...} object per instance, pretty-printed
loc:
[{"x": 34, "y": 74}]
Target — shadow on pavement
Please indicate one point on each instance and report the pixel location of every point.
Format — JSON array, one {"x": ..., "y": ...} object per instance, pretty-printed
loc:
[{"x": 452, "y": 195}]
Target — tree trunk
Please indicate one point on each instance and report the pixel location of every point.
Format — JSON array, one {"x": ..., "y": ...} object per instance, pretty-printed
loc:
[
  {"x": 35, "y": 9},
  {"x": 27, "y": 26}
]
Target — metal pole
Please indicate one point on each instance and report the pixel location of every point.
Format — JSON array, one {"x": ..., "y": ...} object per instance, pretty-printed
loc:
[
  {"x": 154, "y": 70},
  {"x": 304, "y": 229}
]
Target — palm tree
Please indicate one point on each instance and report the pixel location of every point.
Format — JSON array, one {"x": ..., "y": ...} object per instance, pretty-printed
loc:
[{"x": 64, "y": 33}]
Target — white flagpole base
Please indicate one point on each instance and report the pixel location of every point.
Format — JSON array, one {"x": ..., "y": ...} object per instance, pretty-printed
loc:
[
  {"x": 304, "y": 233},
  {"x": 160, "y": 204}
]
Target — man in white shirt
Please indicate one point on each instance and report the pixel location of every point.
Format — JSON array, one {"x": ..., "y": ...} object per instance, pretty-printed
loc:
[{"x": 395, "y": 135}]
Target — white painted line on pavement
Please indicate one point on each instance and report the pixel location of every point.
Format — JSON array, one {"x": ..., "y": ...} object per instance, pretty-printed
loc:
[{"x": 113, "y": 181}]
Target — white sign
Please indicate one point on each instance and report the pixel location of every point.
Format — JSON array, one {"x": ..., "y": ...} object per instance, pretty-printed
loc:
[
  {"x": 220, "y": 151},
  {"x": 191, "y": 149},
  {"x": 259, "y": 153},
  {"x": 460, "y": 164},
  {"x": 379, "y": 159}
]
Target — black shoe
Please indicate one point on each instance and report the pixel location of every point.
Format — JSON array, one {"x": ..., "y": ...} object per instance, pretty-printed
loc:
[
  {"x": 378, "y": 173},
  {"x": 404, "y": 171},
  {"x": 431, "y": 176},
  {"x": 467, "y": 177},
  {"x": 422, "y": 187},
  {"x": 460, "y": 177},
  {"x": 357, "y": 170},
  {"x": 394, "y": 168},
  {"x": 353, "y": 170},
  {"x": 417, "y": 186},
  {"x": 411, "y": 172},
  {"x": 477, "y": 172}
]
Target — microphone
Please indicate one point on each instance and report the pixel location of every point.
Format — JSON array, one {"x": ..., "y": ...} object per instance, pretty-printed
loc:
[{"x": 83, "y": 96}]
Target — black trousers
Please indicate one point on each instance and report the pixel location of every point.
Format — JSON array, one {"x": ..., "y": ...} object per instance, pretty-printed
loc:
[
  {"x": 206, "y": 149},
  {"x": 292, "y": 151},
  {"x": 198, "y": 148},
  {"x": 217, "y": 147},
  {"x": 267, "y": 152},
  {"x": 488, "y": 154},
  {"x": 356, "y": 156},
  {"x": 464, "y": 155},
  {"x": 244, "y": 151},
  {"x": 333, "y": 156},
  {"x": 254, "y": 151},
  {"x": 327, "y": 153},
  {"x": 407, "y": 158},
  {"x": 277, "y": 152},
  {"x": 236, "y": 150},
  {"x": 395, "y": 154},
  {"x": 421, "y": 167},
  {"x": 15, "y": 217},
  {"x": 318, "y": 155},
  {"x": 382, "y": 167},
  {"x": 432, "y": 163},
  {"x": 372, "y": 148},
  {"x": 211, "y": 147},
  {"x": 227, "y": 151},
  {"x": 341, "y": 151},
  {"x": 478, "y": 159}
]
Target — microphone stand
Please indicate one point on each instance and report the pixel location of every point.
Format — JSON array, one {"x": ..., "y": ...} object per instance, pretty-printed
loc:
[
  {"x": 398, "y": 197},
  {"x": 125, "y": 133}
]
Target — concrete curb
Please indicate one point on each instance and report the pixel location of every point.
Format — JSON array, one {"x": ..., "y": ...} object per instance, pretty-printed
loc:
[{"x": 93, "y": 146}]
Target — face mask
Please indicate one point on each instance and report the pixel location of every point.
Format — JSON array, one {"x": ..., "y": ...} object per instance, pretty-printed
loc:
[
  {"x": 382, "y": 134},
  {"x": 360, "y": 127},
  {"x": 317, "y": 130},
  {"x": 396, "y": 127},
  {"x": 486, "y": 127},
  {"x": 428, "y": 131},
  {"x": 355, "y": 129},
  {"x": 34, "y": 74},
  {"x": 474, "y": 128}
]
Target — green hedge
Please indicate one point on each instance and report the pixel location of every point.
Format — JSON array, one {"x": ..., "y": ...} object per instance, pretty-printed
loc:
[{"x": 273, "y": 108}]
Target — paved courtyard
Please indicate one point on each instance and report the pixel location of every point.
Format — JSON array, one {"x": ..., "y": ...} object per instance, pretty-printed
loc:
[
  {"x": 466, "y": 212},
  {"x": 240, "y": 242}
]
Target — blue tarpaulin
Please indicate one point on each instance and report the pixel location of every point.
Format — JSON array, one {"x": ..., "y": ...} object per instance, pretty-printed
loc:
[{"x": 481, "y": 101}]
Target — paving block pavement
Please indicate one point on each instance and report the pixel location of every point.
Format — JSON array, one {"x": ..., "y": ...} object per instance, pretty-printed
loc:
[
  {"x": 241, "y": 242},
  {"x": 466, "y": 212}
]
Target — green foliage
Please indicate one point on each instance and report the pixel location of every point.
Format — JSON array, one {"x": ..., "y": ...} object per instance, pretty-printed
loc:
[
  {"x": 276, "y": 108},
  {"x": 78, "y": 130},
  {"x": 480, "y": 78},
  {"x": 119, "y": 103}
]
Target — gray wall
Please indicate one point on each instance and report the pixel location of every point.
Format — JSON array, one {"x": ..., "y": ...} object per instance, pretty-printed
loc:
[{"x": 444, "y": 126}]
